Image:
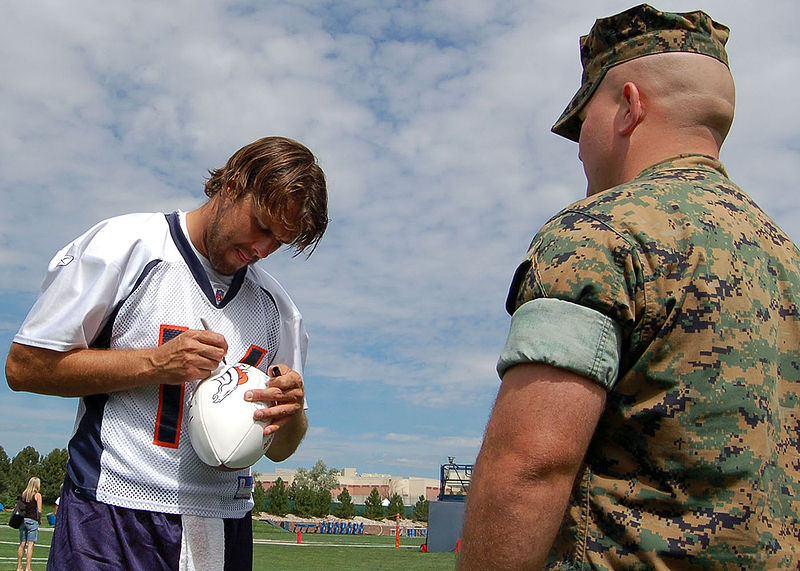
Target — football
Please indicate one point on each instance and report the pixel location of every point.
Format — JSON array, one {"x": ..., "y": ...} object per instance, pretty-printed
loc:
[{"x": 222, "y": 430}]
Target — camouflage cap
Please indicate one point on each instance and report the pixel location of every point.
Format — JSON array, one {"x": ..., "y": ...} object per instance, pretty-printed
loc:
[{"x": 634, "y": 33}]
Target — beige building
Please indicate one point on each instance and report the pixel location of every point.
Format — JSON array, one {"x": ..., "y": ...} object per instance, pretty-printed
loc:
[{"x": 359, "y": 486}]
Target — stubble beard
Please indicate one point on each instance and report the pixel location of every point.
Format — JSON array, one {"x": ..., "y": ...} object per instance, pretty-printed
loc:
[{"x": 215, "y": 242}]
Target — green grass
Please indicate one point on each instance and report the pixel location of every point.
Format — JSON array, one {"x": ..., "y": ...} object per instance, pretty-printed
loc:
[
  {"x": 275, "y": 549},
  {"x": 323, "y": 551}
]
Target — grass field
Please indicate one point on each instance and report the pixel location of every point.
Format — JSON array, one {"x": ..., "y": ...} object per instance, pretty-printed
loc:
[{"x": 278, "y": 550}]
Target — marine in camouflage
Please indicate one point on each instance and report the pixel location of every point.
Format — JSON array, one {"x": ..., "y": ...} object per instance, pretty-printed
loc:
[
  {"x": 640, "y": 31},
  {"x": 695, "y": 462}
]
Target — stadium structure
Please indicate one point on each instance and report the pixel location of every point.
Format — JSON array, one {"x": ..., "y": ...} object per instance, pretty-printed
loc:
[{"x": 446, "y": 514}]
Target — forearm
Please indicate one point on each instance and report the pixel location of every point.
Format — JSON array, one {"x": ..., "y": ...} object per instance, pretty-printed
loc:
[
  {"x": 190, "y": 356},
  {"x": 288, "y": 438},
  {"x": 79, "y": 372},
  {"x": 535, "y": 442}
]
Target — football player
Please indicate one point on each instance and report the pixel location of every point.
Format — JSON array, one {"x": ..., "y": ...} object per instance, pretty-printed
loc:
[{"x": 117, "y": 324}]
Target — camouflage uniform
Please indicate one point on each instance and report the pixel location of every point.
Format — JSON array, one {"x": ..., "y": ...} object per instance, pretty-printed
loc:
[
  {"x": 696, "y": 459},
  {"x": 679, "y": 295}
]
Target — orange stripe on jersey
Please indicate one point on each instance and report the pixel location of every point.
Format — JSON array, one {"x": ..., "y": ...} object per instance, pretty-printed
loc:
[
  {"x": 254, "y": 356},
  {"x": 170, "y": 400}
]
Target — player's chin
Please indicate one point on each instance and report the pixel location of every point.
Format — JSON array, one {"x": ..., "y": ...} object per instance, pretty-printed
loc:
[
  {"x": 233, "y": 262},
  {"x": 226, "y": 268}
]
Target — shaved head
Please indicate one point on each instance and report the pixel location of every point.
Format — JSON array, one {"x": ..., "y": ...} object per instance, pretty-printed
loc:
[
  {"x": 681, "y": 91},
  {"x": 651, "y": 108}
]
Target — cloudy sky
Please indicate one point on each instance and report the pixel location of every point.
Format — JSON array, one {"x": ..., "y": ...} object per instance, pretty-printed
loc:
[{"x": 431, "y": 120}]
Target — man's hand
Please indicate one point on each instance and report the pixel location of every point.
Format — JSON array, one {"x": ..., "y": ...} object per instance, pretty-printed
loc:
[
  {"x": 286, "y": 417},
  {"x": 192, "y": 355},
  {"x": 287, "y": 393}
]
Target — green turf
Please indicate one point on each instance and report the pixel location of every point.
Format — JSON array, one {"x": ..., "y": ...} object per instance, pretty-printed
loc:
[
  {"x": 276, "y": 550},
  {"x": 322, "y": 551}
]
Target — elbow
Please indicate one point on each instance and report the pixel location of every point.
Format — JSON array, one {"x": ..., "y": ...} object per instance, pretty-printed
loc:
[
  {"x": 13, "y": 375},
  {"x": 527, "y": 469},
  {"x": 15, "y": 370}
]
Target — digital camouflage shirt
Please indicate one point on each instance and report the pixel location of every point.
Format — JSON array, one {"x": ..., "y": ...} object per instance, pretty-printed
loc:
[{"x": 695, "y": 462}]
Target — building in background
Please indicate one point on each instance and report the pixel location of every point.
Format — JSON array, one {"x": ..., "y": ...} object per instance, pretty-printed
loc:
[{"x": 359, "y": 486}]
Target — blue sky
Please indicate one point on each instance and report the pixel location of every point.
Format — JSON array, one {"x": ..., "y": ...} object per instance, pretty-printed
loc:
[{"x": 431, "y": 121}]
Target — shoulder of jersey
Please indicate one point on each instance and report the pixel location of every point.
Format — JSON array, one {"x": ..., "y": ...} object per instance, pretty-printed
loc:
[
  {"x": 265, "y": 281},
  {"x": 116, "y": 237}
]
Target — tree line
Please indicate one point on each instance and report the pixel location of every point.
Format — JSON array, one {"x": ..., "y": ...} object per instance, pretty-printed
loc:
[
  {"x": 309, "y": 495},
  {"x": 14, "y": 474}
]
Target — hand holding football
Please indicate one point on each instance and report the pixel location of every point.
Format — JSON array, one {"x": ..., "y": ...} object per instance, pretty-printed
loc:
[{"x": 222, "y": 430}]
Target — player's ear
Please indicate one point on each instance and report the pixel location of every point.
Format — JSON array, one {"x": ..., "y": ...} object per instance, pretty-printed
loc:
[{"x": 631, "y": 111}]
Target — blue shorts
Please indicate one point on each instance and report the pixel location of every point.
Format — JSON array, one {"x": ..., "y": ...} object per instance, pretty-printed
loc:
[
  {"x": 93, "y": 535},
  {"x": 29, "y": 530}
]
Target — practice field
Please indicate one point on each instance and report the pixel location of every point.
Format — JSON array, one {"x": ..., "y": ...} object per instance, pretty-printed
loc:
[{"x": 278, "y": 550}]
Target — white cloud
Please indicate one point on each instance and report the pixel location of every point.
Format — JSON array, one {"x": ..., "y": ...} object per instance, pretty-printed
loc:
[{"x": 431, "y": 121}]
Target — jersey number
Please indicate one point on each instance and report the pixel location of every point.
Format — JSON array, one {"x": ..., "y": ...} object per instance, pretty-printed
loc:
[
  {"x": 170, "y": 397},
  {"x": 170, "y": 401}
]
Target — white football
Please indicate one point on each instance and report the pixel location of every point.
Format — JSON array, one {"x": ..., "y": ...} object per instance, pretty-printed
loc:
[{"x": 221, "y": 425}]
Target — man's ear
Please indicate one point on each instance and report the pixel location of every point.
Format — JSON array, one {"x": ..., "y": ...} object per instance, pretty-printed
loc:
[{"x": 631, "y": 111}]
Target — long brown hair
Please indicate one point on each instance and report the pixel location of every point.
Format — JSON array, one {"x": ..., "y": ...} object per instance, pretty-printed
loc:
[{"x": 285, "y": 182}]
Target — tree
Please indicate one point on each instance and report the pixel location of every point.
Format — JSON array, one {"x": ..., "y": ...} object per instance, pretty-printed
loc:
[
  {"x": 345, "y": 509},
  {"x": 52, "y": 473},
  {"x": 14, "y": 474},
  {"x": 372, "y": 506},
  {"x": 421, "y": 509},
  {"x": 396, "y": 506},
  {"x": 278, "y": 497},
  {"x": 24, "y": 466},
  {"x": 311, "y": 489},
  {"x": 259, "y": 498},
  {"x": 322, "y": 503},
  {"x": 303, "y": 501},
  {"x": 320, "y": 477},
  {"x": 5, "y": 465}
]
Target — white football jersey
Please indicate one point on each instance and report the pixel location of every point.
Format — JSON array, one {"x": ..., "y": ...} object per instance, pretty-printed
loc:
[{"x": 132, "y": 282}]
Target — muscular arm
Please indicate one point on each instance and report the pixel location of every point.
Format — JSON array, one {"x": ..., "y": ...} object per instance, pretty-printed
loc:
[
  {"x": 537, "y": 436},
  {"x": 189, "y": 356}
]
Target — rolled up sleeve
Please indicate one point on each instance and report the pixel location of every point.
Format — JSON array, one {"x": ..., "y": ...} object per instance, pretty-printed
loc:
[{"x": 565, "y": 335}]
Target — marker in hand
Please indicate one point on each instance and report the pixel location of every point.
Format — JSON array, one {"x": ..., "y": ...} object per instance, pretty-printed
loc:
[
  {"x": 207, "y": 328},
  {"x": 275, "y": 371}
]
